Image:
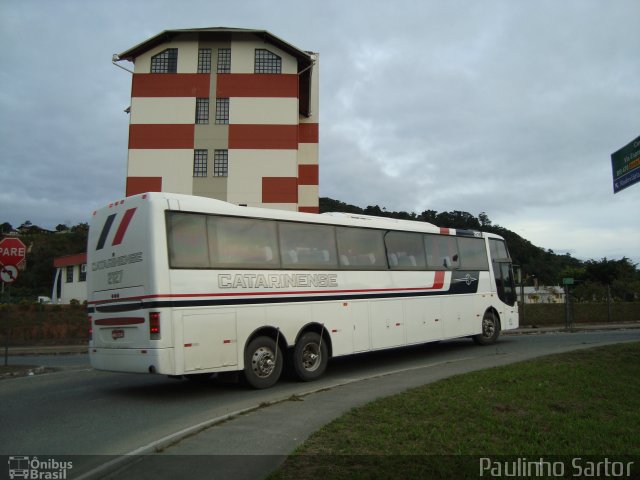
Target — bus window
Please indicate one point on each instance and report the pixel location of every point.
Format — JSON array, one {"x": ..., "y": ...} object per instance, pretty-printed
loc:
[
  {"x": 473, "y": 254},
  {"x": 187, "y": 235},
  {"x": 442, "y": 252},
  {"x": 307, "y": 246},
  {"x": 405, "y": 251},
  {"x": 361, "y": 248},
  {"x": 498, "y": 249},
  {"x": 243, "y": 243},
  {"x": 502, "y": 270}
]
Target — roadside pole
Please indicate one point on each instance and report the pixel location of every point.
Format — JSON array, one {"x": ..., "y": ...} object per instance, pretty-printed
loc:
[
  {"x": 521, "y": 283},
  {"x": 567, "y": 303},
  {"x": 8, "y": 275},
  {"x": 13, "y": 257},
  {"x": 609, "y": 302},
  {"x": 7, "y": 330}
]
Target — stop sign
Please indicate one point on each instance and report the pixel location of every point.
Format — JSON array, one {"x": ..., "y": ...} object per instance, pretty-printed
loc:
[{"x": 12, "y": 252}]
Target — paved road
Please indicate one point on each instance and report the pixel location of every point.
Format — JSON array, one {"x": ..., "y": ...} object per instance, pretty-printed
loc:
[{"x": 79, "y": 411}]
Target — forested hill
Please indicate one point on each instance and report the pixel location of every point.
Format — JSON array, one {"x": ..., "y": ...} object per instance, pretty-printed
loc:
[
  {"x": 547, "y": 266},
  {"x": 595, "y": 280}
]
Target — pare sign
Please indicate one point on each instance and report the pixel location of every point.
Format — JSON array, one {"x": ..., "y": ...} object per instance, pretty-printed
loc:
[{"x": 12, "y": 252}]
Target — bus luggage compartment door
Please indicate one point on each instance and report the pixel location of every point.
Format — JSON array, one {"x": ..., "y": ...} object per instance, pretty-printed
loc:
[{"x": 210, "y": 340}]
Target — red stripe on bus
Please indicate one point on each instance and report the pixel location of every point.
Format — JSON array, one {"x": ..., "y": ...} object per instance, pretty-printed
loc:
[
  {"x": 437, "y": 285},
  {"x": 122, "y": 228}
]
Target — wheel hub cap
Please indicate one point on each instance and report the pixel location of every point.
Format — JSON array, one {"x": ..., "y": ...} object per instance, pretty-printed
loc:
[{"x": 263, "y": 362}]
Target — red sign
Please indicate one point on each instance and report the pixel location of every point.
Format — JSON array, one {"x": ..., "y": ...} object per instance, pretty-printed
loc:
[{"x": 12, "y": 252}]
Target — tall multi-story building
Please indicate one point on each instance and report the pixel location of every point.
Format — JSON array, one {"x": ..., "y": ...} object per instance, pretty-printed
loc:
[{"x": 224, "y": 113}]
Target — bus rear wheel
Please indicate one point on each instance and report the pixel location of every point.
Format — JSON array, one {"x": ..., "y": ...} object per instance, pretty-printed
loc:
[
  {"x": 490, "y": 330},
  {"x": 262, "y": 362},
  {"x": 310, "y": 357}
]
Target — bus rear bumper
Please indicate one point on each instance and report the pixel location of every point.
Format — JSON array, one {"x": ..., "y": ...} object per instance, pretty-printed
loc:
[{"x": 133, "y": 360}]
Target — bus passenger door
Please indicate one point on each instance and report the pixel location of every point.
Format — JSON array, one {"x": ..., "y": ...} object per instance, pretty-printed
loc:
[{"x": 209, "y": 341}]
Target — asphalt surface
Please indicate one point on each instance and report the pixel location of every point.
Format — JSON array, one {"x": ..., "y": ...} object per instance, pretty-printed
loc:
[
  {"x": 251, "y": 442},
  {"x": 250, "y": 445}
]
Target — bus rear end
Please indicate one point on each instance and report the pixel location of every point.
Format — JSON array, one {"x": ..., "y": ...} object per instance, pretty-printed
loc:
[{"x": 129, "y": 334}]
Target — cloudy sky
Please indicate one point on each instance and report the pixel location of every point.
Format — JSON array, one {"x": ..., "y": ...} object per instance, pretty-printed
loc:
[{"x": 508, "y": 107}]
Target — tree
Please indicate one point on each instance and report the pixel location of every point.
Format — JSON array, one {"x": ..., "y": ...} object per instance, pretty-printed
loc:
[
  {"x": 620, "y": 276},
  {"x": 430, "y": 216},
  {"x": 37, "y": 278},
  {"x": 548, "y": 267},
  {"x": 484, "y": 220}
]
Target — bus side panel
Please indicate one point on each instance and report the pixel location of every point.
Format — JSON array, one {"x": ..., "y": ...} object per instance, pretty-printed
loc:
[
  {"x": 209, "y": 339},
  {"x": 335, "y": 318},
  {"x": 423, "y": 318},
  {"x": 387, "y": 324},
  {"x": 359, "y": 319}
]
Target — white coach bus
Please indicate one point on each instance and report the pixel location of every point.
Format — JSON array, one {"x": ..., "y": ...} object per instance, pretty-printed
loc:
[{"x": 184, "y": 285}]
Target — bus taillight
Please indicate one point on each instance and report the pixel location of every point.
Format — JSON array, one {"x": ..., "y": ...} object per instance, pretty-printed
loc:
[
  {"x": 90, "y": 328},
  {"x": 154, "y": 325}
]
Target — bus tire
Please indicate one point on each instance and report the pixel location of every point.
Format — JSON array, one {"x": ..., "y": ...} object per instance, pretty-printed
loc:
[
  {"x": 262, "y": 362},
  {"x": 490, "y": 330},
  {"x": 310, "y": 357}
]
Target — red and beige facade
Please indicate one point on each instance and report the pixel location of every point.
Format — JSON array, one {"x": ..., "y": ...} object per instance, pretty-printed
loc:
[{"x": 225, "y": 113}]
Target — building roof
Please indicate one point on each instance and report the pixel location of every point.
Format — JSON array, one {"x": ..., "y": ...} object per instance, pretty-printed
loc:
[
  {"x": 304, "y": 58},
  {"x": 68, "y": 260}
]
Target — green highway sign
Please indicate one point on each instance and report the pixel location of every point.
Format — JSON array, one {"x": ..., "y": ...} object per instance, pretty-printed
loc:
[{"x": 625, "y": 165}]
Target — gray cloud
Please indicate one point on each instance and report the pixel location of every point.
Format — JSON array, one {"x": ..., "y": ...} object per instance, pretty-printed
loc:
[{"x": 511, "y": 108}]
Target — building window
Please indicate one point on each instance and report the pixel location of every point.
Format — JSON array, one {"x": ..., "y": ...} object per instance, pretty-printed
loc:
[
  {"x": 202, "y": 110},
  {"x": 267, "y": 62},
  {"x": 220, "y": 163},
  {"x": 165, "y": 62},
  {"x": 224, "y": 60},
  {"x": 83, "y": 273},
  {"x": 70, "y": 274},
  {"x": 200, "y": 163},
  {"x": 222, "y": 110},
  {"x": 204, "y": 60}
]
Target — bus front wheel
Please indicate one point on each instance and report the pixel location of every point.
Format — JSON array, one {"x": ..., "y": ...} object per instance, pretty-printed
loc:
[
  {"x": 262, "y": 362},
  {"x": 310, "y": 357},
  {"x": 490, "y": 330}
]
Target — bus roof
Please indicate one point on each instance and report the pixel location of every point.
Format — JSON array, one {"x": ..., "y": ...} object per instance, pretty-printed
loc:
[{"x": 191, "y": 203}]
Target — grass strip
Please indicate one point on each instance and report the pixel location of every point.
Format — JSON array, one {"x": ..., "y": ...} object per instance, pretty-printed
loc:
[{"x": 582, "y": 403}]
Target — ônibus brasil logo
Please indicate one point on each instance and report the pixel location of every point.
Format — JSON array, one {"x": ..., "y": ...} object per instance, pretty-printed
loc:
[{"x": 38, "y": 469}]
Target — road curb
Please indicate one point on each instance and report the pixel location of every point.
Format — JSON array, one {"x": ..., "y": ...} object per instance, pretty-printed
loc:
[{"x": 587, "y": 327}]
